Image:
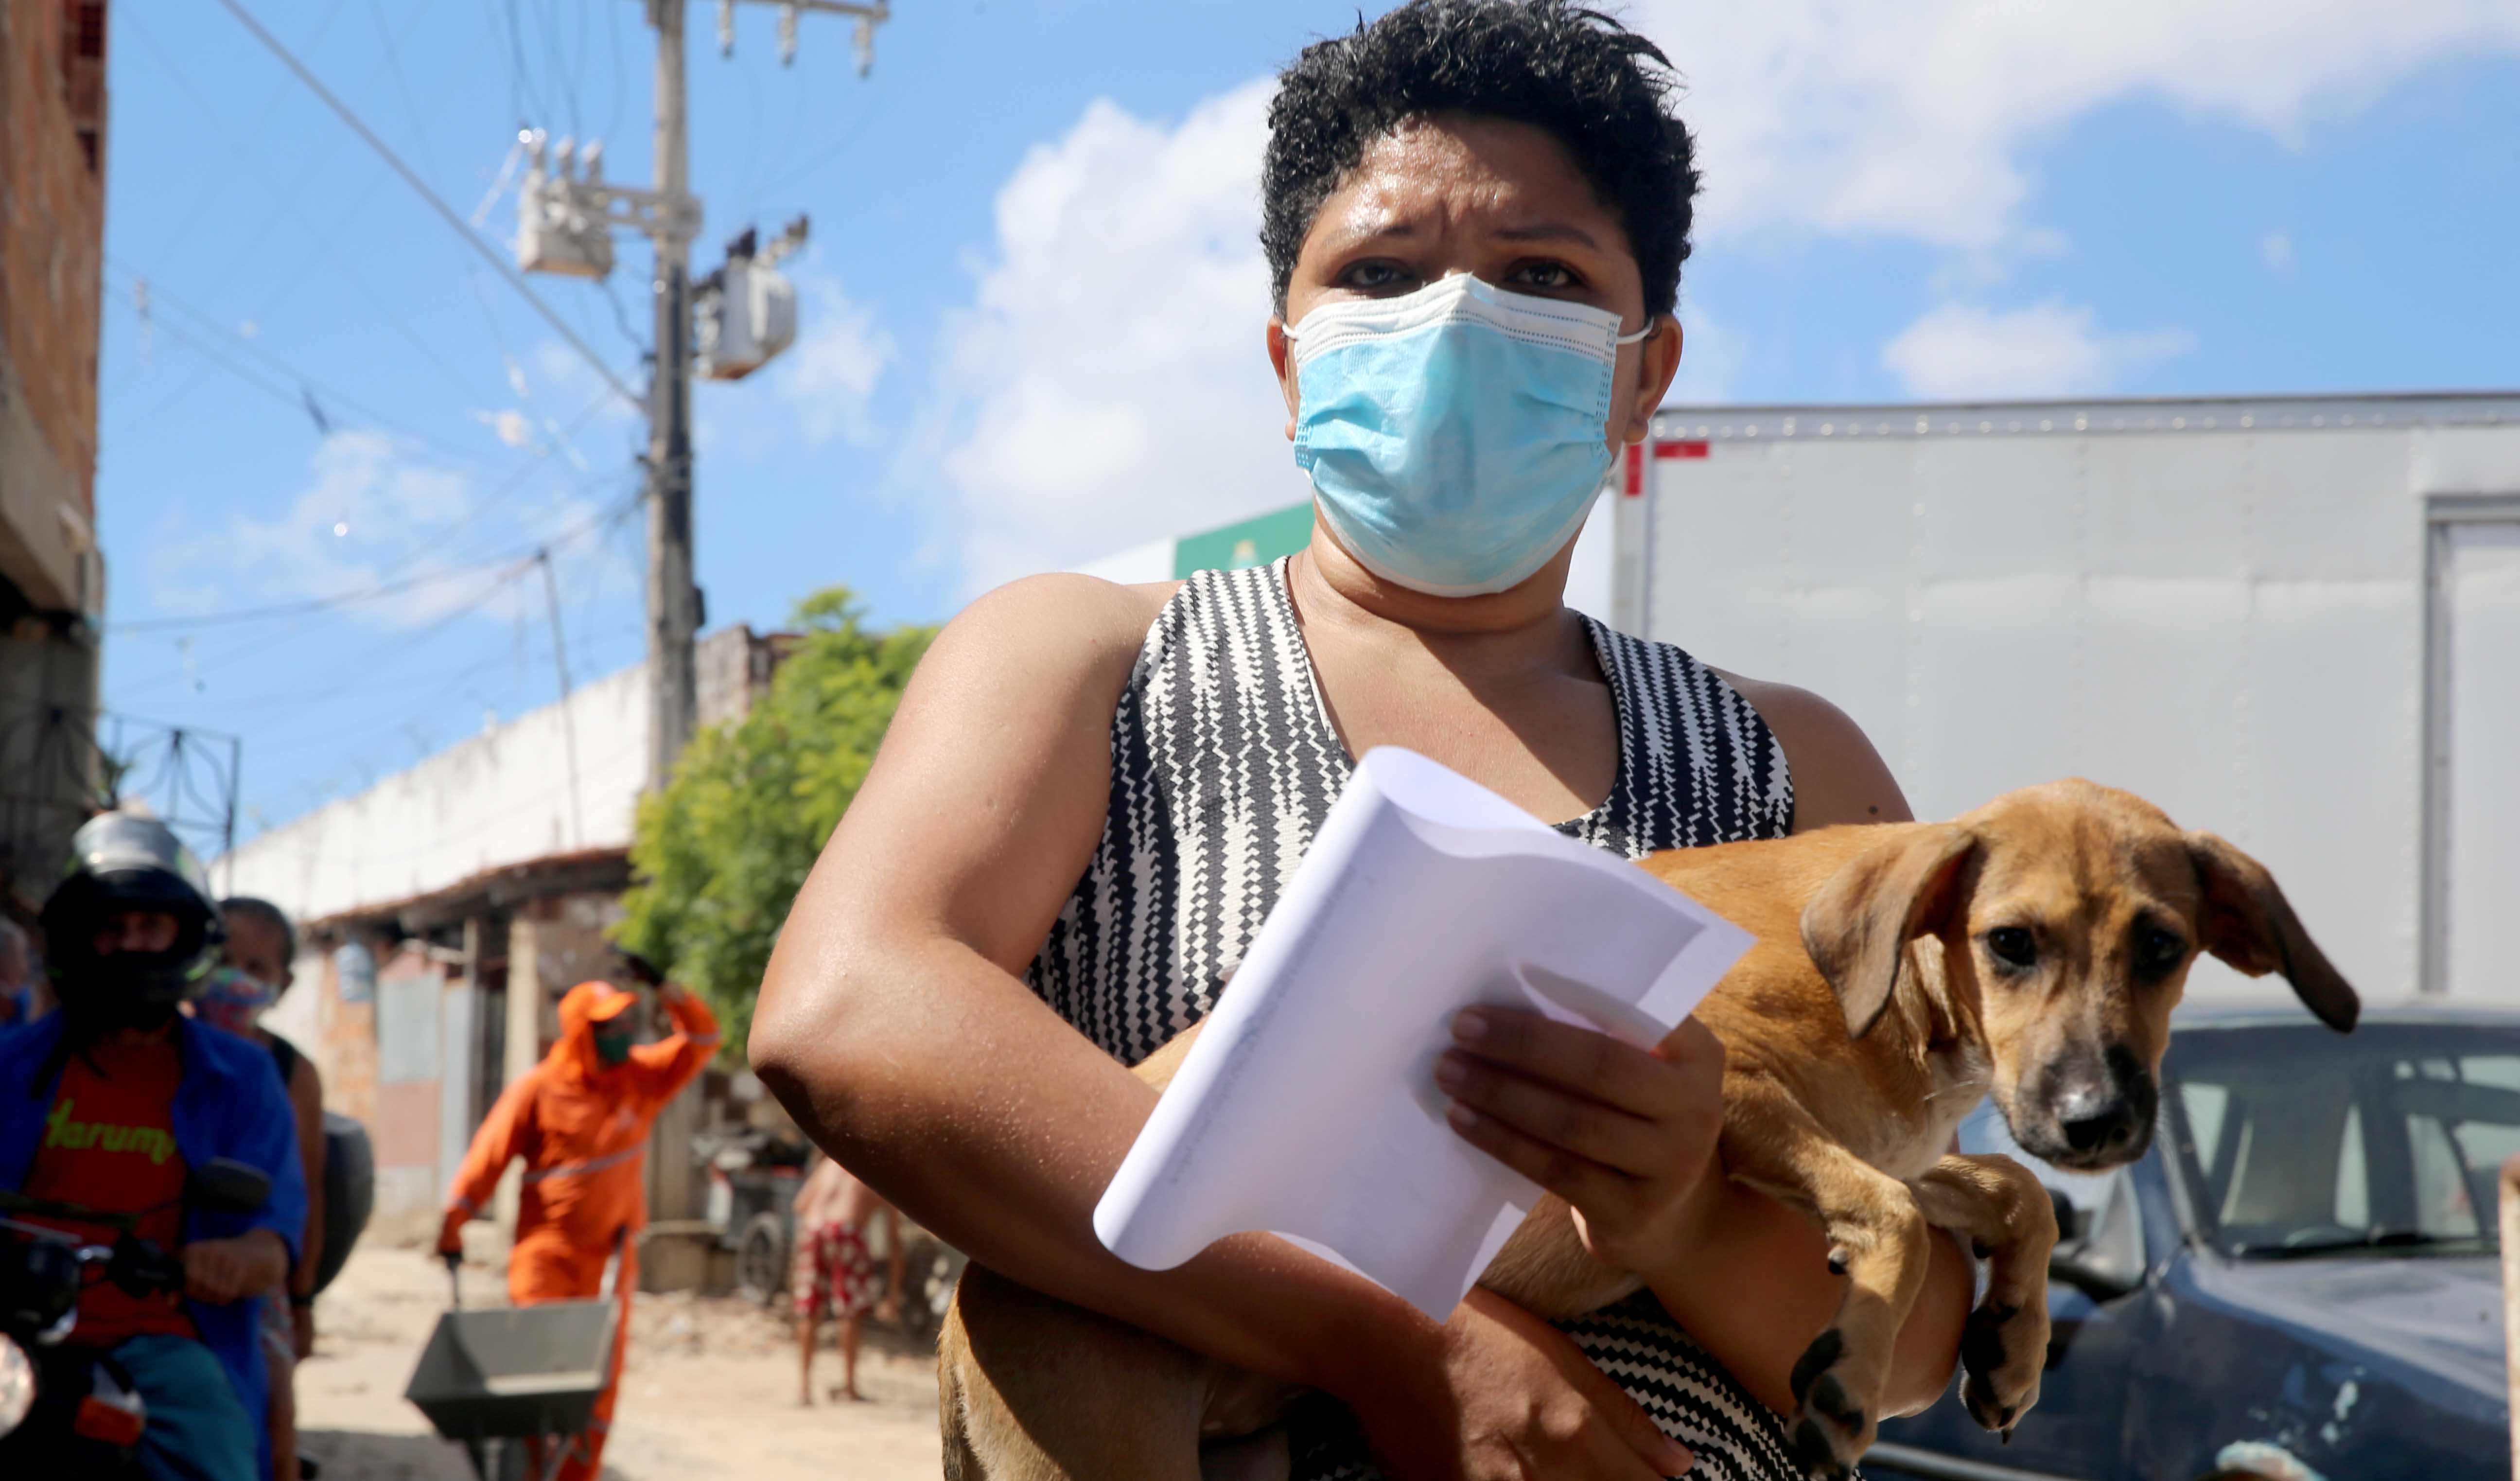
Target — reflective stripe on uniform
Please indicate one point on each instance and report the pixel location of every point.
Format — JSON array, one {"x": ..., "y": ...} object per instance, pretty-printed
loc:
[{"x": 591, "y": 1165}]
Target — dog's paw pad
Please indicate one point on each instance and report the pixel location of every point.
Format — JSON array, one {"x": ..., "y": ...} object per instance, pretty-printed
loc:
[
  {"x": 1834, "y": 1426},
  {"x": 1816, "y": 1454},
  {"x": 1816, "y": 1358},
  {"x": 1828, "y": 1399},
  {"x": 2002, "y": 1350}
]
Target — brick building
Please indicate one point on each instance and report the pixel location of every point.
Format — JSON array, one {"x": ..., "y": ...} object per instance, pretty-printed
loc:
[{"x": 52, "y": 578}]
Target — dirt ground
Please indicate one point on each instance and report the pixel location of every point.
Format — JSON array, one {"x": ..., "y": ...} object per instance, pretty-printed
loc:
[{"x": 710, "y": 1389}]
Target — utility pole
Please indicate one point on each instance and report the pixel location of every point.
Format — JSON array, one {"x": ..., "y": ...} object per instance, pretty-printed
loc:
[
  {"x": 740, "y": 316},
  {"x": 673, "y": 602}
]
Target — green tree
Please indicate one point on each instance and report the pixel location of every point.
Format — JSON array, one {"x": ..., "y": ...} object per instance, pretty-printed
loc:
[{"x": 721, "y": 852}]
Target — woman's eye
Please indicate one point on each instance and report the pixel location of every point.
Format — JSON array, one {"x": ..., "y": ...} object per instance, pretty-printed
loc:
[
  {"x": 2012, "y": 946},
  {"x": 1544, "y": 275},
  {"x": 1371, "y": 274}
]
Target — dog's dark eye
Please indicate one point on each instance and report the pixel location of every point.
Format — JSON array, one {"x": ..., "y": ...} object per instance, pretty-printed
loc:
[
  {"x": 2012, "y": 946},
  {"x": 2160, "y": 950}
]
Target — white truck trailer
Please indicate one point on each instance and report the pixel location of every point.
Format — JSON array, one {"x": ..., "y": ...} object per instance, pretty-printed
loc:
[{"x": 2292, "y": 621}]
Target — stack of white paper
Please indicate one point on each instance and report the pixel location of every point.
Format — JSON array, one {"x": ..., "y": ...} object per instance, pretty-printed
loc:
[{"x": 1308, "y": 1107}]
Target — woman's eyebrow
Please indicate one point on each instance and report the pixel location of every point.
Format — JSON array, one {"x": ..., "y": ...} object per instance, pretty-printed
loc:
[
  {"x": 1377, "y": 229},
  {"x": 1549, "y": 231}
]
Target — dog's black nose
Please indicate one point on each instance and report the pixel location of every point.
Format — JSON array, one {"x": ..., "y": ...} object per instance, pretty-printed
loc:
[{"x": 2095, "y": 1122}]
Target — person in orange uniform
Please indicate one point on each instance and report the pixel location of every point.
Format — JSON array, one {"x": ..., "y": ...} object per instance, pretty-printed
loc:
[{"x": 579, "y": 1119}]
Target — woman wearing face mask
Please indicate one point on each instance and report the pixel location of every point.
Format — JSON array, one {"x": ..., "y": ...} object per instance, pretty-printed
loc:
[
  {"x": 254, "y": 972},
  {"x": 1475, "y": 212},
  {"x": 580, "y": 1119}
]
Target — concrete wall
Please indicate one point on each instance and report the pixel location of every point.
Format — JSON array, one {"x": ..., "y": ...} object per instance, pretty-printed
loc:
[{"x": 501, "y": 798}]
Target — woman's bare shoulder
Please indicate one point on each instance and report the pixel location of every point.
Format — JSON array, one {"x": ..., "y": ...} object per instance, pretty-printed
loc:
[
  {"x": 1838, "y": 776},
  {"x": 1063, "y": 609},
  {"x": 1058, "y": 629}
]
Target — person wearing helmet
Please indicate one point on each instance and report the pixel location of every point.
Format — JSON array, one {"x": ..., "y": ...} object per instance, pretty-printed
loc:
[
  {"x": 112, "y": 1101},
  {"x": 579, "y": 1119}
]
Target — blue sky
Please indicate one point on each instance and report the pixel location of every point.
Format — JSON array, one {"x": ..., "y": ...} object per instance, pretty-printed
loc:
[{"x": 1032, "y": 307}]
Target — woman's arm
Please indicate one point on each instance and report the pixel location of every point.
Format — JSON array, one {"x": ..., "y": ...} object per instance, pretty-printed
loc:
[
  {"x": 894, "y": 1025},
  {"x": 306, "y": 1098}
]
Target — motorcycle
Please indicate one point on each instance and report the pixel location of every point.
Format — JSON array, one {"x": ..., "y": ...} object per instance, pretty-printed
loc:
[{"x": 67, "y": 1411}]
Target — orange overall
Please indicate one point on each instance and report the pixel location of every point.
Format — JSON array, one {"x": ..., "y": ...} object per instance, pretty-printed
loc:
[{"x": 582, "y": 1129}]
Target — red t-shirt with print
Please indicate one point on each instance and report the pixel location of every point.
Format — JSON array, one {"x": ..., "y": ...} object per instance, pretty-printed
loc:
[{"x": 109, "y": 1144}]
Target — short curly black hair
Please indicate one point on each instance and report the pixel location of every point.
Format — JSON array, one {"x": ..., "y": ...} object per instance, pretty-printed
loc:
[{"x": 1602, "y": 90}]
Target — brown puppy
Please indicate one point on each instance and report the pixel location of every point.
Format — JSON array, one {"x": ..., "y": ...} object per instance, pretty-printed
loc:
[{"x": 2031, "y": 949}]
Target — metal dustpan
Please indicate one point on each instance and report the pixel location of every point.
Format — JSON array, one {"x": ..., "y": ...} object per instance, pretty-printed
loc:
[{"x": 515, "y": 1371}]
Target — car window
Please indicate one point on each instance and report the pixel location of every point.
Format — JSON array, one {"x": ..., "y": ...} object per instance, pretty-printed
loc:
[{"x": 2296, "y": 1141}]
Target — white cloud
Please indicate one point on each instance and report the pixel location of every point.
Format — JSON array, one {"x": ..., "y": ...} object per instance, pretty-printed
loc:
[
  {"x": 2276, "y": 250},
  {"x": 1960, "y": 352},
  {"x": 1108, "y": 385},
  {"x": 513, "y": 428},
  {"x": 1711, "y": 357},
  {"x": 839, "y": 356},
  {"x": 1855, "y": 116},
  {"x": 371, "y": 515}
]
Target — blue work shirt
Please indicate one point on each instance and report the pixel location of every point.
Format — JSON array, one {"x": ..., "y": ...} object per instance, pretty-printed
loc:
[{"x": 230, "y": 1104}]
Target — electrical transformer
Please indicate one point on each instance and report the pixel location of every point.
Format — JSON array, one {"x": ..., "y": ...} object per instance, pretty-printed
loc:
[{"x": 744, "y": 313}]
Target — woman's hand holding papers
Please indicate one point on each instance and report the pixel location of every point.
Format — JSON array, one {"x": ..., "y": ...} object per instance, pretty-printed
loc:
[{"x": 1625, "y": 1134}]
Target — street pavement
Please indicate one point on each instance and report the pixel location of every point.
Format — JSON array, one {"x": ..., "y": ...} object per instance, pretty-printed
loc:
[{"x": 710, "y": 1389}]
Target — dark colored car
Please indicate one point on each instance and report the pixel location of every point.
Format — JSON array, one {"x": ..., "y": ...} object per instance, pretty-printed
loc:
[{"x": 2299, "y": 1281}]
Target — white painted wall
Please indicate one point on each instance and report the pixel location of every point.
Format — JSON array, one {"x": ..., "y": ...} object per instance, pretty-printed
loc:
[
  {"x": 2227, "y": 619},
  {"x": 500, "y": 798}
]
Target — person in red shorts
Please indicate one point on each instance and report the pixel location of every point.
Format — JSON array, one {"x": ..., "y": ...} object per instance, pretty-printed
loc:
[{"x": 835, "y": 1270}]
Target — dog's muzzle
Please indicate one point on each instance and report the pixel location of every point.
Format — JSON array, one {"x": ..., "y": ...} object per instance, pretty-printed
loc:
[{"x": 2089, "y": 1113}]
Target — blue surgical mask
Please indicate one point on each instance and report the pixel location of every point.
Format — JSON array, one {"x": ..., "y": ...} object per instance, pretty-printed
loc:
[{"x": 1457, "y": 436}]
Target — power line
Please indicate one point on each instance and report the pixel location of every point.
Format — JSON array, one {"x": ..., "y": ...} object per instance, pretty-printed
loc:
[
  {"x": 159, "y": 293},
  {"x": 299, "y": 609},
  {"x": 503, "y": 572},
  {"x": 826, "y": 156},
  {"x": 613, "y": 26},
  {"x": 501, "y": 579},
  {"x": 420, "y": 187},
  {"x": 215, "y": 185},
  {"x": 286, "y": 198},
  {"x": 403, "y": 85}
]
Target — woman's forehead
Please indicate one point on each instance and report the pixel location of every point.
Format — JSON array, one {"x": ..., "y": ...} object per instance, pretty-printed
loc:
[{"x": 1452, "y": 170}]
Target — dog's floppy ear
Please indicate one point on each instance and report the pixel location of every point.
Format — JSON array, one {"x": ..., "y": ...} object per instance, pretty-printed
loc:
[
  {"x": 1858, "y": 927},
  {"x": 2248, "y": 923}
]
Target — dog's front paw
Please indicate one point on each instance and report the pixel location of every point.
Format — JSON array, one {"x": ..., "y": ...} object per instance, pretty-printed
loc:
[
  {"x": 2004, "y": 1350},
  {"x": 1834, "y": 1414}
]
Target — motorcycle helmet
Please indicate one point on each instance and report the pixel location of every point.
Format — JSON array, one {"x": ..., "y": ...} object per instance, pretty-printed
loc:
[{"x": 125, "y": 862}]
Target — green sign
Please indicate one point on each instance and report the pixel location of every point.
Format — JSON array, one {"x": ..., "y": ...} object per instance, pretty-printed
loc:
[{"x": 1256, "y": 541}]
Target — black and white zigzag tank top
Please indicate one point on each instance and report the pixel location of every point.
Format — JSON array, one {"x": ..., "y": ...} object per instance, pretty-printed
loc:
[{"x": 1222, "y": 766}]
